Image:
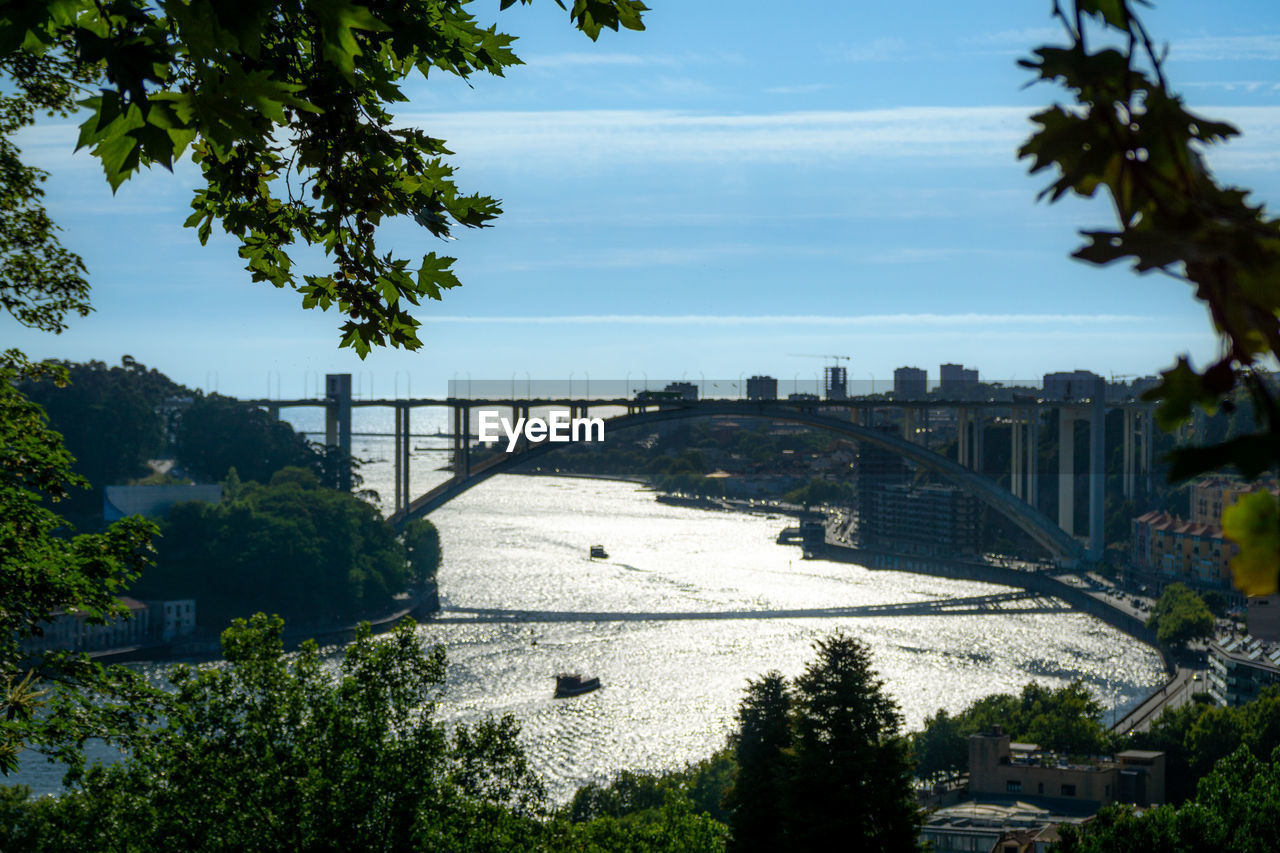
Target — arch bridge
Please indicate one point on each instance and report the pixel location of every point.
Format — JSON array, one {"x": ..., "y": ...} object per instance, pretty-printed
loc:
[{"x": 852, "y": 418}]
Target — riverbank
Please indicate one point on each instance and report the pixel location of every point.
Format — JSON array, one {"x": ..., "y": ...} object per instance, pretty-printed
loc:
[
  {"x": 1040, "y": 582},
  {"x": 420, "y": 606}
]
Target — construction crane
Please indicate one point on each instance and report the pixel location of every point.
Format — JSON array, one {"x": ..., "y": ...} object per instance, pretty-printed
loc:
[
  {"x": 835, "y": 378},
  {"x": 835, "y": 358}
]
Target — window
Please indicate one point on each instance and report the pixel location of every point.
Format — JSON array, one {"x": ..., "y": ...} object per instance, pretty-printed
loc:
[
  {"x": 1013, "y": 786},
  {"x": 1068, "y": 790},
  {"x": 1040, "y": 788}
]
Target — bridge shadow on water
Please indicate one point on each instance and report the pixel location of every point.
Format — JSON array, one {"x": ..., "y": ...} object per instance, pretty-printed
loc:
[{"x": 999, "y": 604}]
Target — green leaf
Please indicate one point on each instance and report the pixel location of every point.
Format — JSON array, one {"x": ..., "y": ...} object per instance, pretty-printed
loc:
[{"x": 1253, "y": 523}]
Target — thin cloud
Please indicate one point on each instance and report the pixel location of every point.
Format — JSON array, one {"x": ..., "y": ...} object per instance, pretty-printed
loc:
[
  {"x": 883, "y": 49},
  {"x": 580, "y": 141},
  {"x": 692, "y": 256},
  {"x": 800, "y": 89},
  {"x": 915, "y": 255},
  {"x": 1248, "y": 86},
  {"x": 588, "y": 138},
  {"x": 569, "y": 60},
  {"x": 1026, "y": 37},
  {"x": 874, "y": 321},
  {"x": 1217, "y": 48}
]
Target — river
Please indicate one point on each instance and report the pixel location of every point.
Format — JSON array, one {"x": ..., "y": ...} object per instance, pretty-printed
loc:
[{"x": 671, "y": 685}]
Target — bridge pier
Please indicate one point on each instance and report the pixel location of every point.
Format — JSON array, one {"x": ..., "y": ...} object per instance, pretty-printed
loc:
[
  {"x": 1137, "y": 452},
  {"x": 403, "y": 495},
  {"x": 1067, "y": 469},
  {"x": 1097, "y": 477},
  {"x": 1033, "y": 460},
  {"x": 337, "y": 421},
  {"x": 1024, "y": 451},
  {"x": 461, "y": 440},
  {"x": 979, "y": 431},
  {"x": 1015, "y": 452}
]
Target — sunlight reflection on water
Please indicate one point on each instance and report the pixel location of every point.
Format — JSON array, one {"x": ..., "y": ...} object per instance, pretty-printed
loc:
[{"x": 671, "y": 687}]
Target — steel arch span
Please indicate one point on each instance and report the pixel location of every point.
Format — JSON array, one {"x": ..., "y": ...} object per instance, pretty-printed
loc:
[{"x": 1035, "y": 523}]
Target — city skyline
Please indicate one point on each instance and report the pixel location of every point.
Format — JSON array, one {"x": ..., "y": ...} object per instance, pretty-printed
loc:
[{"x": 708, "y": 196}]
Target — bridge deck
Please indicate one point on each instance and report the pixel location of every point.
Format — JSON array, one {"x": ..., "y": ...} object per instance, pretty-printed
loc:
[{"x": 996, "y": 604}]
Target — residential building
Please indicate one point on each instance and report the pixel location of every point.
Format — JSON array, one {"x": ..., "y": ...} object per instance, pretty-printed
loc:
[
  {"x": 70, "y": 630},
  {"x": 933, "y": 520},
  {"x": 998, "y": 766},
  {"x": 172, "y": 619},
  {"x": 762, "y": 388},
  {"x": 1003, "y": 826},
  {"x": 148, "y": 622},
  {"x": 955, "y": 377},
  {"x": 876, "y": 467},
  {"x": 1241, "y": 667},
  {"x": 910, "y": 383},
  {"x": 835, "y": 382},
  {"x": 1074, "y": 385},
  {"x": 894, "y": 515},
  {"x": 1179, "y": 550},
  {"x": 1211, "y": 495},
  {"x": 686, "y": 390}
]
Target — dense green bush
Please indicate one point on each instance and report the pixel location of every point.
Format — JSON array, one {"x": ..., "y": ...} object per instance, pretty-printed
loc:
[{"x": 290, "y": 547}]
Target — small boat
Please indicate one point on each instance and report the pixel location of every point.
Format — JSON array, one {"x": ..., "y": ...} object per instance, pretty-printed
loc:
[
  {"x": 598, "y": 553},
  {"x": 575, "y": 685}
]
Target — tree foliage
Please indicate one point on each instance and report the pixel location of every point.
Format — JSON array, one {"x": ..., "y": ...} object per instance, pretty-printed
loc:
[
  {"x": 43, "y": 569},
  {"x": 109, "y": 418},
  {"x": 674, "y": 810},
  {"x": 821, "y": 763},
  {"x": 41, "y": 282},
  {"x": 1180, "y": 616},
  {"x": 1237, "y": 807},
  {"x": 853, "y": 767},
  {"x": 1129, "y": 138},
  {"x": 275, "y": 752},
  {"x": 218, "y": 433},
  {"x": 422, "y": 547},
  {"x": 285, "y": 109},
  {"x": 291, "y": 547},
  {"x": 1065, "y": 719},
  {"x": 1195, "y": 737},
  {"x": 762, "y": 748}
]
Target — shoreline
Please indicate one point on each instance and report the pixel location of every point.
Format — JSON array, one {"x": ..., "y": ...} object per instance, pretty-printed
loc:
[{"x": 419, "y": 607}]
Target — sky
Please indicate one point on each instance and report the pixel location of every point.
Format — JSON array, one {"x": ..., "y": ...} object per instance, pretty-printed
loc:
[{"x": 744, "y": 187}]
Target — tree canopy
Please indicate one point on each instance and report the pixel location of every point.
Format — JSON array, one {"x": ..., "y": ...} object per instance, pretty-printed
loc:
[
  {"x": 289, "y": 547},
  {"x": 1064, "y": 719},
  {"x": 286, "y": 110},
  {"x": 822, "y": 764},
  {"x": 1237, "y": 807},
  {"x": 272, "y": 751},
  {"x": 43, "y": 569},
  {"x": 109, "y": 418},
  {"x": 1128, "y": 137},
  {"x": 1180, "y": 616}
]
